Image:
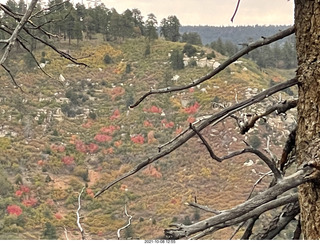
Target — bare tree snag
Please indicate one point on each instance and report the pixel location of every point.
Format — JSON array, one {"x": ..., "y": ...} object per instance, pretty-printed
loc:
[
  {"x": 128, "y": 224},
  {"x": 78, "y": 214},
  {"x": 307, "y": 19}
]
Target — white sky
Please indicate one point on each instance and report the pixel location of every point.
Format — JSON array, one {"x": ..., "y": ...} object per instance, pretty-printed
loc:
[{"x": 212, "y": 12}]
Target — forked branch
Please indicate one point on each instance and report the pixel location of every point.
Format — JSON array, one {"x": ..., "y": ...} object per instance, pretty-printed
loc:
[{"x": 253, "y": 207}]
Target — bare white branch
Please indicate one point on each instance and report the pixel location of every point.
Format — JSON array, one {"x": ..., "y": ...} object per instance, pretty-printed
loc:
[
  {"x": 127, "y": 225},
  {"x": 78, "y": 214}
]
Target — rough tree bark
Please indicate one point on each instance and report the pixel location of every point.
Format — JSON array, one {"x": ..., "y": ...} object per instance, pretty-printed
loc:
[{"x": 307, "y": 22}]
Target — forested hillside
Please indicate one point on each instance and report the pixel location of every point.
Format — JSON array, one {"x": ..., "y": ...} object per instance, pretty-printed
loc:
[{"x": 73, "y": 130}]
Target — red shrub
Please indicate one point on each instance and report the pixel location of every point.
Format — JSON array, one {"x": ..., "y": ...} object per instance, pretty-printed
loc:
[
  {"x": 87, "y": 125},
  {"x": 154, "y": 109},
  {"x": 178, "y": 131},
  {"x": 14, "y": 210},
  {"x": 115, "y": 115},
  {"x": 146, "y": 123},
  {"x": 192, "y": 109},
  {"x": 102, "y": 138},
  {"x": 19, "y": 193},
  {"x": 110, "y": 129},
  {"x": 68, "y": 160},
  {"x": 191, "y": 89},
  {"x": 138, "y": 139},
  {"x": 57, "y": 148},
  {"x": 191, "y": 120},
  {"x": 30, "y": 202},
  {"x": 80, "y": 146},
  {"x": 92, "y": 148},
  {"x": 24, "y": 189}
]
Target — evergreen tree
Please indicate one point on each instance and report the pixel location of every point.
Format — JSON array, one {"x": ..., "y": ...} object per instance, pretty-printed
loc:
[
  {"x": 151, "y": 27},
  {"x": 169, "y": 28},
  {"x": 49, "y": 232},
  {"x": 176, "y": 59},
  {"x": 192, "y": 38}
]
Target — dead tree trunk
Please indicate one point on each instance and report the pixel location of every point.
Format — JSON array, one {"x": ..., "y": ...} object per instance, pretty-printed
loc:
[{"x": 307, "y": 22}]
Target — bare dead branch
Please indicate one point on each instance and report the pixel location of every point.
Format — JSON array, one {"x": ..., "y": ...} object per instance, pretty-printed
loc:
[
  {"x": 252, "y": 207},
  {"x": 204, "y": 208},
  {"x": 66, "y": 232},
  {"x": 279, "y": 222},
  {"x": 78, "y": 214},
  {"x": 212, "y": 120},
  {"x": 248, "y": 232},
  {"x": 258, "y": 153},
  {"x": 289, "y": 146},
  {"x": 278, "y": 108},
  {"x": 236, "y": 10},
  {"x": 221, "y": 67},
  {"x": 127, "y": 225},
  {"x": 256, "y": 212},
  {"x": 297, "y": 231},
  {"x": 257, "y": 182},
  {"x": 18, "y": 28},
  {"x": 12, "y": 78}
]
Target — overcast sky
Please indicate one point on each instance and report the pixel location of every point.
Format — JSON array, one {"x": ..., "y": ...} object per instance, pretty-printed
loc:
[{"x": 212, "y": 12}]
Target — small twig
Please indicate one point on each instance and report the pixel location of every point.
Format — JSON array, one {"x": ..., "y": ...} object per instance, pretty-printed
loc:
[
  {"x": 66, "y": 232},
  {"x": 127, "y": 225},
  {"x": 78, "y": 214},
  {"x": 204, "y": 208},
  {"x": 236, "y": 10},
  {"x": 258, "y": 153},
  {"x": 257, "y": 182},
  {"x": 267, "y": 149}
]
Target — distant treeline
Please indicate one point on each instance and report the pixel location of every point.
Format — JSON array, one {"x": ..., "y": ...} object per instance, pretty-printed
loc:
[
  {"x": 76, "y": 22},
  {"x": 235, "y": 34},
  {"x": 278, "y": 55}
]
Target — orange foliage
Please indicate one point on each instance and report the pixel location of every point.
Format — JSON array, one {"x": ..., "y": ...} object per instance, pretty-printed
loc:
[
  {"x": 90, "y": 192},
  {"x": 146, "y": 123},
  {"x": 152, "y": 171},
  {"x": 178, "y": 131},
  {"x": 118, "y": 143},
  {"x": 87, "y": 125},
  {"x": 58, "y": 216},
  {"x": 108, "y": 150},
  {"x": 191, "y": 120},
  {"x": 41, "y": 162},
  {"x": 123, "y": 187},
  {"x": 57, "y": 148},
  {"x": 151, "y": 138},
  {"x": 116, "y": 92}
]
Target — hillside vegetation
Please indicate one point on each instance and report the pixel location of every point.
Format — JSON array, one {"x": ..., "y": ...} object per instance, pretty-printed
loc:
[{"x": 75, "y": 130}]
